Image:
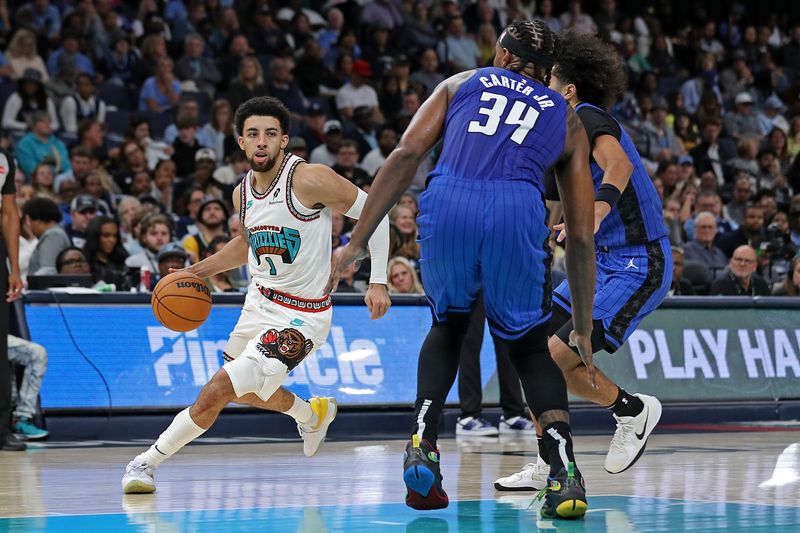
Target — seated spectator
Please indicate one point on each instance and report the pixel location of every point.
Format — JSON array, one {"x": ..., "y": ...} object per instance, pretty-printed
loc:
[
  {"x": 155, "y": 151},
  {"x": 120, "y": 63},
  {"x": 203, "y": 177},
  {"x": 658, "y": 141},
  {"x": 186, "y": 145},
  {"x": 680, "y": 285},
  {"x": 751, "y": 232},
  {"x": 91, "y": 137},
  {"x": 575, "y": 20},
  {"x": 340, "y": 230},
  {"x": 457, "y": 51},
  {"x": 40, "y": 144},
  {"x": 325, "y": 154},
  {"x": 346, "y": 160},
  {"x": 22, "y": 54},
  {"x": 29, "y": 98},
  {"x": 713, "y": 152},
  {"x": 72, "y": 260},
  {"x": 231, "y": 174},
  {"x": 298, "y": 147},
  {"x": 281, "y": 85},
  {"x": 418, "y": 30},
  {"x": 248, "y": 84},
  {"x": 791, "y": 285},
  {"x": 387, "y": 141},
  {"x": 80, "y": 162},
  {"x": 222, "y": 281},
  {"x": 702, "y": 248},
  {"x": 211, "y": 218},
  {"x": 171, "y": 256},
  {"x": 186, "y": 207},
  {"x": 347, "y": 282},
  {"x": 83, "y": 105},
  {"x": 310, "y": 72},
  {"x": 188, "y": 106},
  {"x": 220, "y": 130},
  {"x": 230, "y": 55},
  {"x": 402, "y": 277},
  {"x": 69, "y": 57},
  {"x": 197, "y": 67},
  {"x": 129, "y": 208},
  {"x": 328, "y": 36},
  {"x": 741, "y": 279},
  {"x": 362, "y": 130},
  {"x": 105, "y": 252},
  {"x": 428, "y": 74},
  {"x": 131, "y": 160},
  {"x": 710, "y": 202},
  {"x": 266, "y": 36},
  {"x": 357, "y": 92},
  {"x": 164, "y": 183},
  {"x": 160, "y": 91},
  {"x": 405, "y": 221},
  {"x": 155, "y": 231},
  {"x": 409, "y": 200},
  {"x": 83, "y": 209},
  {"x": 742, "y": 123},
  {"x": 42, "y": 215},
  {"x": 33, "y": 357},
  {"x": 43, "y": 181}
]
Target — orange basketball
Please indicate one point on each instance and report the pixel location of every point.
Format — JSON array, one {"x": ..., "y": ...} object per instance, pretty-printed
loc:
[{"x": 181, "y": 301}]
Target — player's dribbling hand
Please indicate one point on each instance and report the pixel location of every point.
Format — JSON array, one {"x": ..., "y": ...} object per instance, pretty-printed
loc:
[
  {"x": 584, "y": 345},
  {"x": 377, "y": 300}
]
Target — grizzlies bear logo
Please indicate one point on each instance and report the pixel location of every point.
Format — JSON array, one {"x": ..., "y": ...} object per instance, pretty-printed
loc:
[{"x": 288, "y": 346}]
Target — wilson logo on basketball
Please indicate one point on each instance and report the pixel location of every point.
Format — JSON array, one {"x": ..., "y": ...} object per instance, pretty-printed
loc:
[{"x": 198, "y": 287}]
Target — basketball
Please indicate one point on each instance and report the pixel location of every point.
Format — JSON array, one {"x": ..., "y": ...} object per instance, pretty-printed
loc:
[{"x": 181, "y": 301}]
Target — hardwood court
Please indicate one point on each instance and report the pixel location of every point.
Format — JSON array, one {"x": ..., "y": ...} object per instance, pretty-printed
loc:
[{"x": 745, "y": 481}]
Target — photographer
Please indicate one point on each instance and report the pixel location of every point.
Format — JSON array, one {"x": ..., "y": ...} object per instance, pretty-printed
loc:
[
  {"x": 776, "y": 249},
  {"x": 791, "y": 285}
]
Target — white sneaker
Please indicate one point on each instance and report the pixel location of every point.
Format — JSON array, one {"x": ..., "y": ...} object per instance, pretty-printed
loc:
[
  {"x": 630, "y": 438},
  {"x": 139, "y": 478},
  {"x": 518, "y": 425},
  {"x": 532, "y": 477},
  {"x": 475, "y": 426},
  {"x": 313, "y": 436}
]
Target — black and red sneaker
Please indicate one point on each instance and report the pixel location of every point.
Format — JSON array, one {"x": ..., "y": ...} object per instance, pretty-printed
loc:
[{"x": 423, "y": 478}]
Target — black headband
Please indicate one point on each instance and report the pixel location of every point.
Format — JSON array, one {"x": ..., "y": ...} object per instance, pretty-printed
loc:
[{"x": 527, "y": 53}]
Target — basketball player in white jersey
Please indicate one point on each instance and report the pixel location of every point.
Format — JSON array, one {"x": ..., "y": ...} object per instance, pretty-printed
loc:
[{"x": 285, "y": 207}]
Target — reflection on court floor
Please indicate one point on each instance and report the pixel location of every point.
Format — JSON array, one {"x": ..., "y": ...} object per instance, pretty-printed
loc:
[{"x": 727, "y": 482}]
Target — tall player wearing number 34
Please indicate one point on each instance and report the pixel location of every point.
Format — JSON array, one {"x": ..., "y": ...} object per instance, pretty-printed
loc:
[
  {"x": 483, "y": 224},
  {"x": 285, "y": 209}
]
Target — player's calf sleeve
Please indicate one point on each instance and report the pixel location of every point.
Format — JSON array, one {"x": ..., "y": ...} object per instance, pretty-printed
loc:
[
  {"x": 557, "y": 440},
  {"x": 181, "y": 432}
]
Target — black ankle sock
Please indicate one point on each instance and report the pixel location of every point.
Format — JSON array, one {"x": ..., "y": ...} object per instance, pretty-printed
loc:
[
  {"x": 626, "y": 404},
  {"x": 543, "y": 453},
  {"x": 554, "y": 436}
]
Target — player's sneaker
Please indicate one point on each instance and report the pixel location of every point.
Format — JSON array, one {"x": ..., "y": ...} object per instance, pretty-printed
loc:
[
  {"x": 630, "y": 438},
  {"x": 139, "y": 478},
  {"x": 518, "y": 425},
  {"x": 475, "y": 426},
  {"x": 314, "y": 434},
  {"x": 423, "y": 477},
  {"x": 533, "y": 476},
  {"x": 565, "y": 495},
  {"x": 24, "y": 428}
]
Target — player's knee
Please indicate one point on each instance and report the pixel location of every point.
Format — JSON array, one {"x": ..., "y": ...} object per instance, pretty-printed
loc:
[
  {"x": 566, "y": 359},
  {"x": 216, "y": 393}
]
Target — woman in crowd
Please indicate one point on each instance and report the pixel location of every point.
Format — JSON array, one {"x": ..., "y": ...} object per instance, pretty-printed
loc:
[
  {"x": 220, "y": 128},
  {"x": 403, "y": 218},
  {"x": 249, "y": 83},
  {"x": 42, "y": 179},
  {"x": 105, "y": 253},
  {"x": 22, "y": 54},
  {"x": 403, "y": 278}
]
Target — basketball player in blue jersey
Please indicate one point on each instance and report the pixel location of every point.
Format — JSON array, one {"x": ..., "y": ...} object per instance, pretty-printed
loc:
[
  {"x": 483, "y": 224},
  {"x": 634, "y": 260}
]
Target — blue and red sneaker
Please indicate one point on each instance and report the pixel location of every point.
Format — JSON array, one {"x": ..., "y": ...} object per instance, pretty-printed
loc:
[{"x": 422, "y": 476}]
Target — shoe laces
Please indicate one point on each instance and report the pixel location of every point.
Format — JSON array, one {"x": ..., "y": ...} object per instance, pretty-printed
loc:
[
  {"x": 623, "y": 434},
  {"x": 140, "y": 467}
]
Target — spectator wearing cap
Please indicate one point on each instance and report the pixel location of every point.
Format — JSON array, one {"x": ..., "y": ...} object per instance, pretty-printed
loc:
[
  {"x": 658, "y": 141},
  {"x": 771, "y": 117},
  {"x": 211, "y": 218},
  {"x": 313, "y": 127},
  {"x": 428, "y": 74},
  {"x": 83, "y": 209},
  {"x": 22, "y": 54},
  {"x": 197, "y": 67},
  {"x": 249, "y": 83},
  {"x": 83, "y": 105},
  {"x": 387, "y": 141},
  {"x": 457, "y": 51},
  {"x": 357, "y": 92},
  {"x": 171, "y": 256},
  {"x": 40, "y": 144},
  {"x": 42, "y": 215},
  {"x": 346, "y": 164},
  {"x": 742, "y": 122},
  {"x": 266, "y": 37},
  {"x": 298, "y": 147},
  {"x": 29, "y": 98},
  {"x": 686, "y": 170},
  {"x": 325, "y": 154},
  {"x": 160, "y": 91},
  {"x": 381, "y": 13},
  {"x": 281, "y": 85},
  {"x": 713, "y": 152},
  {"x": 69, "y": 57},
  {"x": 741, "y": 278}
]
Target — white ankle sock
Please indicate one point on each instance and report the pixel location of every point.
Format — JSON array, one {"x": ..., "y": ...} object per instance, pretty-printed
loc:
[
  {"x": 301, "y": 410},
  {"x": 181, "y": 432}
]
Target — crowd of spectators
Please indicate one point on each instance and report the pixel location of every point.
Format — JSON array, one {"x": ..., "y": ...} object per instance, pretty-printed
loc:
[{"x": 120, "y": 116}]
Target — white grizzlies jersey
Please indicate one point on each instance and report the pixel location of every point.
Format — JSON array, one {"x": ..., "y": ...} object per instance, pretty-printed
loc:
[{"x": 290, "y": 244}]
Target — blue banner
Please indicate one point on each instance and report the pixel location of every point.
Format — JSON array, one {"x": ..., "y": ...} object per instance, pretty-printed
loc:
[{"x": 147, "y": 365}]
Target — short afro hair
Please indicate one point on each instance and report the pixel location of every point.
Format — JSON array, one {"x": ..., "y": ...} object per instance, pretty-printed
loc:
[
  {"x": 593, "y": 67},
  {"x": 42, "y": 209},
  {"x": 262, "y": 106}
]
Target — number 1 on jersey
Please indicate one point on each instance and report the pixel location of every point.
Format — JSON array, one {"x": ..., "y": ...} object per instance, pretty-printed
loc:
[
  {"x": 520, "y": 114},
  {"x": 272, "y": 270}
]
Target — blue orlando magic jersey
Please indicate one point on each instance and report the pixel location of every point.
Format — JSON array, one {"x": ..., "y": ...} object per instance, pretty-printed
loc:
[
  {"x": 501, "y": 125},
  {"x": 637, "y": 218}
]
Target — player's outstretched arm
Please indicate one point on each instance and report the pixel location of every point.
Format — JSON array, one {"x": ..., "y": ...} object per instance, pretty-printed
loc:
[{"x": 576, "y": 191}]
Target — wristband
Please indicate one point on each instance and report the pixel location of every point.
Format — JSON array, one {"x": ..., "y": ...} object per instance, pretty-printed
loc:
[{"x": 607, "y": 193}]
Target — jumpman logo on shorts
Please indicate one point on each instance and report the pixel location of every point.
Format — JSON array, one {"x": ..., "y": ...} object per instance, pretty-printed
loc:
[{"x": 631, "y": 265}]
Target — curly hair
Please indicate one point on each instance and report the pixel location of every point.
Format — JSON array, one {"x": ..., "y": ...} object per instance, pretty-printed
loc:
[
  {"x": 593, "y": 66},
  {"x": 262, "y": 106},
  {"x": 537, "y": 35}
]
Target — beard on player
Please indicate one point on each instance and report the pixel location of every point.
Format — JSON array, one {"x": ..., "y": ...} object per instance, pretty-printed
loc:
[{"x": 266, "y": 164}]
